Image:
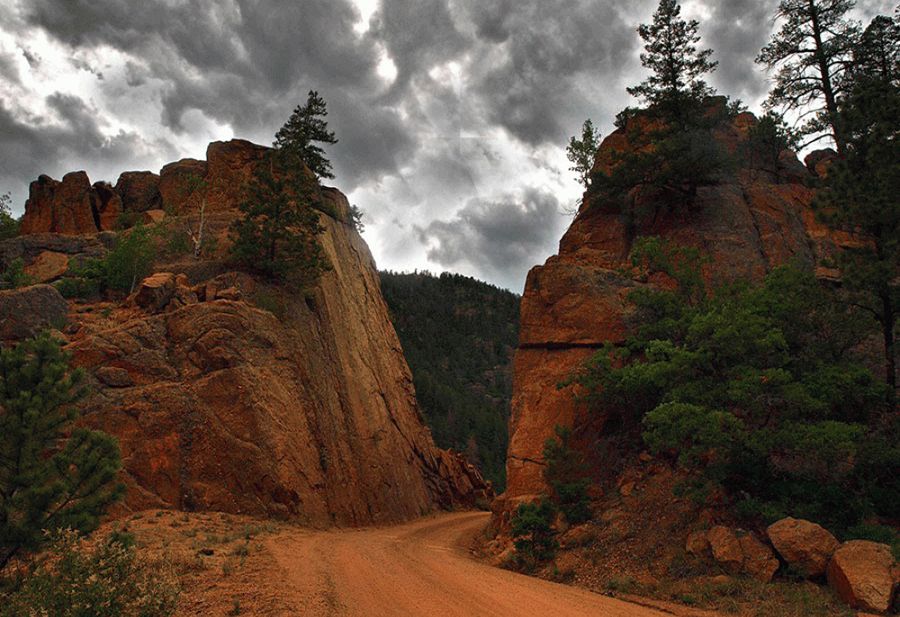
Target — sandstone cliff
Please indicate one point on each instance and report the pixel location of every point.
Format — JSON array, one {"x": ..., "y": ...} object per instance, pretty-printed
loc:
[
  {"x": 304, "y": 408},
  {"x": 750, "y": 222}
]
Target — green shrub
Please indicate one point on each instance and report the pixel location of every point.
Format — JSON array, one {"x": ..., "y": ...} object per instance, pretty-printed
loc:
[
  {"x": 14, "y": 276},
  {"x": 567, "y": 474},
  {"x": 64, "y": 477},
  {"x": 533, "y": 535},
  {"x": 9, "y": 226},
  {"x": 106, "y": 579},
  {"x": 130, "y": 260},
  {"x": 753, "y": 388},
  {"x": 78, "y": 287}
]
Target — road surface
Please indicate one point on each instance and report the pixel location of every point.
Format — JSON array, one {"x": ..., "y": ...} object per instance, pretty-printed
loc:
[{"x": 421, "y": 568}]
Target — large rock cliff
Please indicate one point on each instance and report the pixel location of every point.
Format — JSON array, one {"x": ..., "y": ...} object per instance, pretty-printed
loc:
[
  {"x": 751, "y": 221},
  {"x": 304, "y": 408}
]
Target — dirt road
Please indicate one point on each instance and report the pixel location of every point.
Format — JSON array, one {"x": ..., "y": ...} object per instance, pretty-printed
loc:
[{"x": 421, "y": 568}]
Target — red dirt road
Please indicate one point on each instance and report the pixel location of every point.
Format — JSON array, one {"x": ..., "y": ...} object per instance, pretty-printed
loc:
[{"x": 420, "y": 568}]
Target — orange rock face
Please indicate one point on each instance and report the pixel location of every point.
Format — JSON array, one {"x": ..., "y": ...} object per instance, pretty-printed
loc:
[
  {"x": 576, "y": 302},
  {"x": 220, "y": 404},
  {"x": 63, "y": 207}
]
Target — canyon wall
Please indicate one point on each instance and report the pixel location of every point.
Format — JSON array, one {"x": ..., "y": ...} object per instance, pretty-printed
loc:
[
  {"x": 751, "y": 221},
  {"x": 227, "y": 392}
]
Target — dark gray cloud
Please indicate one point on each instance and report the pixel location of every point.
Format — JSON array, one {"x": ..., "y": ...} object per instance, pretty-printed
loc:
[
  {"x": 498, "y": 237},
  {"x": 56, "y": 147},
  {"x": 462, "y": 146},
  {"x": 550, "y": 64},
  {"x": 736, "y": 31}
]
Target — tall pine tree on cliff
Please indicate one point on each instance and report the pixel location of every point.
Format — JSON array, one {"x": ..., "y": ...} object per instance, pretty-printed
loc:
[
  {"x": 810, "y": 54},
  {"x": 674, "y": 153},
  {"x": 305, "y": 126},
  {"x": 677, "y": 65},
  {"x": 278, "y": 234},
  {"x": 860, "y": 191},
  {"x": 51, "y": 476}
]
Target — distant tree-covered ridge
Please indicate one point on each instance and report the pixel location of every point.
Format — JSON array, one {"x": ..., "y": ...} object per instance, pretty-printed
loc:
[{"x": 458, "y": 335}]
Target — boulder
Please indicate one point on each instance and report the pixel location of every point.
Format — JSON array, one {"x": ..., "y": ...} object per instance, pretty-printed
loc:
[
  {"x": 114, "y": 377},
  {"x": 25, "y": 312},
  {"x": 739, "y": 552},
  {"x": 804, "y": 545},
  {"x": 726, "y": 548},
  {"x": 151, "y": 217},
  {"x": 47, "y": 266},
  {"x": 697, "y": 543},
  {"x": 580, "y": 535},
  {"x": 139, "y": 191},
  {"x": 759, "y": 560},
  {"x": 860, "y": 572},
  {"x": 155, "y": 292},
  {"x": 62, "y": 207}
]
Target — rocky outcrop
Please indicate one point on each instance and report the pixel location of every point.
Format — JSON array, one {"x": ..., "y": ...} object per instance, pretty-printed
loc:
[
  {"x": 860, "y": 572},
  {"x": 747, "y": 224},
  {"x": 311, "y": 414},
  {"x": 139, "y": 191},
  {"x": 228, "y": 393},
  {"x": 73, "y": 206},
  {"x": 25, "y": 312},
  {"x": 802, "y": 544},
  {"x": 63, "y": 207}
]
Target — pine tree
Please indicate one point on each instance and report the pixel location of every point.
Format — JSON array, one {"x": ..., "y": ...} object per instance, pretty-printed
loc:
[
  {"x": 581, "y": 152},
  {"x": 811, "y": 53},
  {"x": 676, "y": 63},
  {"x": 278, "y": 234},
  {"x": 9, "y": 226},
  {"x": 877, "y": 56},
  {"x": 307, "y": 125},
  {"x": 860, "y": 195},
  {"x": 51, "y": 475},
  {"x": 567, "y": 474}
]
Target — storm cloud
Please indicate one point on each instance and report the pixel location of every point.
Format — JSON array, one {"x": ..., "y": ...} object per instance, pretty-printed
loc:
[{"x": 452, "y": 115}]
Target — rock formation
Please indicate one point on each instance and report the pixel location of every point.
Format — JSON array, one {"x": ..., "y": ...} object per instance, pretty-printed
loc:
[
  {"x": 750, "y": 222},
  {"x": 304, "y": 408},
  {"x": 805, "y": 546},
  {"x": 862, "y": 574}
]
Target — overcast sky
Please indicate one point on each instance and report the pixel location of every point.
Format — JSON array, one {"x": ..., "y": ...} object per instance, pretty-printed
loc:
[{"x": 452, "y": 115}]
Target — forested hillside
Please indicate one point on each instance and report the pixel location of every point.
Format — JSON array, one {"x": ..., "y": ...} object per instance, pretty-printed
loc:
[{"x": 458, "y": 335}]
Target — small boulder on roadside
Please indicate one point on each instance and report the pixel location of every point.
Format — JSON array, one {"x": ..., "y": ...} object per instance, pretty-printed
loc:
[
  {"x": 759, "y": 560},
  {"x": 860, "y": 572},
  {"x": 739, "y": 552},
  {"x": 697, "y": 543},
  {"x": 726, "y": 548},
  {"x": 804, "y": 545}
]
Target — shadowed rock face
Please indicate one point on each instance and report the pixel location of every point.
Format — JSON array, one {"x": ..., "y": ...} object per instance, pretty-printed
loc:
[
  {"x": 221, "y": 405},
  {"x": 747, "y": 224}
]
